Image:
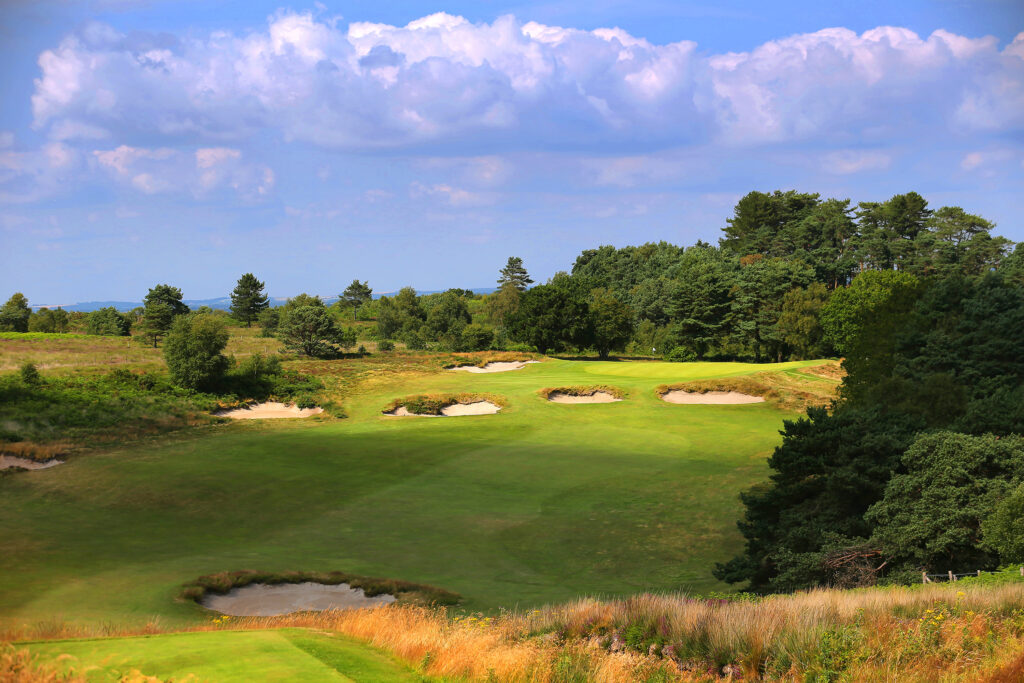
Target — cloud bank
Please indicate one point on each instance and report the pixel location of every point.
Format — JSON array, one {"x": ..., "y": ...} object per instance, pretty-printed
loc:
[{"x": 491, "y": 86}]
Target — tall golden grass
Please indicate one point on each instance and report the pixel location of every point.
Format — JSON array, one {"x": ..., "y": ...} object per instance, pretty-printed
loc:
[{"x": 932, "y": 633}]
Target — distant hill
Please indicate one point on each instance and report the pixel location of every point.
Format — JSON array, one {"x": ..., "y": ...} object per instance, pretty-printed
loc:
[{"x": 222, "y": 303}]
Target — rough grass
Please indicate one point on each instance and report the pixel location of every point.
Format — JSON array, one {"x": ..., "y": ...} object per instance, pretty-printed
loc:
[
  {"x": 433, "y": 404},
  {"x": 928, "y": 633},
  {"x": 581, "y": 390},
  {"x": 406, "y": 591}
]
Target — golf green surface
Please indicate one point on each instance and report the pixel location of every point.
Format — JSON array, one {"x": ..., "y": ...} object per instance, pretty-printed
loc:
[
  {"x": 540, "y": 503},
  {"x": 226, "y": 657}
]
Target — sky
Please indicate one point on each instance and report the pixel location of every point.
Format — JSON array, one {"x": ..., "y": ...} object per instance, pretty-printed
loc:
[{"x": 423, "y": 143}]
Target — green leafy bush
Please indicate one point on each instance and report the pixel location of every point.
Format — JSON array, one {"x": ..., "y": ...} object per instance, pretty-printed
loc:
[{"x": 681, "y": 354}]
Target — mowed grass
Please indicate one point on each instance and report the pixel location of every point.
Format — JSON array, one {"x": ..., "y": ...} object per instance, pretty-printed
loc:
[
  {"x": 540, "y": 503},
  {"x": 278, "y": 655}
]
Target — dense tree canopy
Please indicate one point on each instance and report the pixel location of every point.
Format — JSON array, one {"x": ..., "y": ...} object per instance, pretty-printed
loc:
[
  {"x": 14, "y": 314},
  {"x": 357, "y": 294}
]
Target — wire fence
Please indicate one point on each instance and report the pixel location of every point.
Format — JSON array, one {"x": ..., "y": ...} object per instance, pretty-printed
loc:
[{"x": 950, "y": 576}]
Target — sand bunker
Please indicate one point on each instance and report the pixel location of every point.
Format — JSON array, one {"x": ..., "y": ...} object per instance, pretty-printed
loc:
[
  {"x": 11, "y": 461},
  {"x": 454, "y": 410},
  {"x": 270, "y": 410},
  {"x": 498, "y": 366},
  {"x": 263, "y": 600},
  {"x": 596, "y": 397},
  {"x": 711, "y": 397}
]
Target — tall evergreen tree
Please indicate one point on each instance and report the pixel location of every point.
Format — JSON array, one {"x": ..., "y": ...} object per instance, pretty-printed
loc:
[
  {"x": 357, "y": 294},
  {"x": 248, "y": 299},
  {"x": 514, "y": 274}
]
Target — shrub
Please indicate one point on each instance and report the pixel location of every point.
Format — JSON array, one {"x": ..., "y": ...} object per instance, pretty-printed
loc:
[
  {"x": 681, "y": 354},
  {"x": 192, "y": 351},
  {"x": 475, "y": 337},
  {"x": 385, "y": 345},
  {"x": 29, "y": 374}
]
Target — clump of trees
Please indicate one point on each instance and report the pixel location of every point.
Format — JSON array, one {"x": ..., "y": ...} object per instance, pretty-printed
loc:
[{"x": 193, "y": 351}]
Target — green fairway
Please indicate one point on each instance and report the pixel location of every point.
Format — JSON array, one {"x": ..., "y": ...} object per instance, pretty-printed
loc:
[
  {"x": 282, "y": 655},
  {"x": 539, "y": 503}
]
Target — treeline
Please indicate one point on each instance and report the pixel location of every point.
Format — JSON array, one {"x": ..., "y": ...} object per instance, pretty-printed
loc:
[{"x": 919, "y": 466}]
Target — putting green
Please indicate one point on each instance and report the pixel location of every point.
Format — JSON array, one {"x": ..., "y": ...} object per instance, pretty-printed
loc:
[
  {"x": 281, "y": 655},
  {"x": 540, "y": 503}
]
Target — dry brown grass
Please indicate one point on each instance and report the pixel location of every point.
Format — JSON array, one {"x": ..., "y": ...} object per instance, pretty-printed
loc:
[
  {"x": 797, "y": 390},
  {"x": 40, "y": 452},
  {"x": 931, "y": 633}
]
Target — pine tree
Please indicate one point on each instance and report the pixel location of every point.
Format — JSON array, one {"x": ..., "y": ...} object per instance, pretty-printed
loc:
[
  {"x": 357, "y": 294},
  {"x": 514, "y": 274},
  {"x": 248, "y": 299}
]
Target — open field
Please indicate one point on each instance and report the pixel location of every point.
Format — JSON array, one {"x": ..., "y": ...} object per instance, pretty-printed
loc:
[{"x": 540, "y": 503}]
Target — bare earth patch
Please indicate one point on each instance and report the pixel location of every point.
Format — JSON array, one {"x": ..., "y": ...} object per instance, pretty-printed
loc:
[
  {"x": 497, "y": 366},
  {"x": 264, "y": 600},
  {"x": 710, "y": 397},
  {"x": 596, "y": 397},
  {"x": 269, "y": 410},
  {"x": 12, "y": 461}
]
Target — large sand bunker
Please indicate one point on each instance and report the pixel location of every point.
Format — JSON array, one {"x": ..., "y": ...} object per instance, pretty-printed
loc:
[
  {"x": 596, "y": 397},
  {"x": 453, "y": 410},
  {"x": 496, "y": 366},
  {"x": 265, "y": 600},
  {"x": 710, "y": 397},
  {"x": 269, "y": 410},
  {"x": 11, "y": 461}
]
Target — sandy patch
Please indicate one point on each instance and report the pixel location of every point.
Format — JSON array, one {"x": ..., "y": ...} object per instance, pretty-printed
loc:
[
  {"x": 498, "y": 366},
  {"x": 475, "y": 408},
  {"x": 711, "y": 397},
  {"x": 269, "y": 410},
  {"x": 454, "y": 410},
  {"x": 596, "y": 397},
  {"x": 264, "y": 600},
  {"x": 10, "y": 461}
]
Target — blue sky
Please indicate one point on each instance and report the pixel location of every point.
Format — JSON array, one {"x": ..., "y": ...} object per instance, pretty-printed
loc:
[{"x": 416, "y": 143}]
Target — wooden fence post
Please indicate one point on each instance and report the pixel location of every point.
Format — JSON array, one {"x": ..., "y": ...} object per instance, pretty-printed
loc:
[
  {"x": 951, "y": 577},
  {"x": 979, "y": 572},
  {"x": 924, "y": 577}
]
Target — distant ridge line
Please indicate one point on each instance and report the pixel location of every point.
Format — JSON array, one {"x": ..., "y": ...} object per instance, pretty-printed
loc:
[{"x": 224, "y": 303}]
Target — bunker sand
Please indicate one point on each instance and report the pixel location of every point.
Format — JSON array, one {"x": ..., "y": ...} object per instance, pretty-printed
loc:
[
  {"x": 12, "y": 461},
  {"x": 264, "y": 600},
  {"x": 497, "y": 366},
  {"x": 710, "y": 397},
  {"x": 269, "y": 410},
  {"x": 454, "y": 410}
]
